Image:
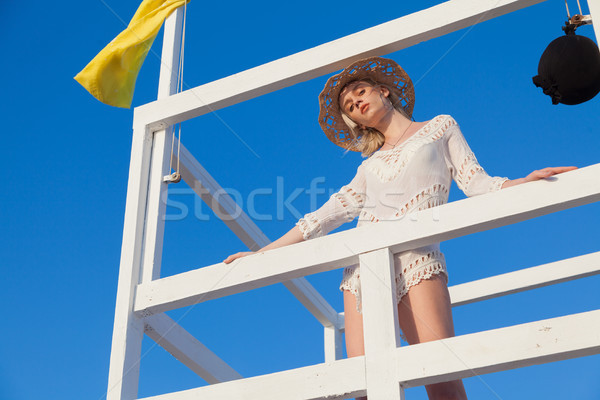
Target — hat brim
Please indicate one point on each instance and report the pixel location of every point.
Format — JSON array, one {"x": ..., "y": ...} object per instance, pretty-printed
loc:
[{"x": 378, "y": 69}]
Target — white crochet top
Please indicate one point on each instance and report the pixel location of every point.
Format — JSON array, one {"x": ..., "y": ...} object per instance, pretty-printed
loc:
[{"x": 413, "y": 176}]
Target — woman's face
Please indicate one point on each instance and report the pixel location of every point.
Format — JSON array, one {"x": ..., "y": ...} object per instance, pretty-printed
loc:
[{"x": 364, "y": 103}]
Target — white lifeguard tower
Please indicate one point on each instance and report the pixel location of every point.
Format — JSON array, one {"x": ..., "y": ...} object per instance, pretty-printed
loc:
[{"x": 386, "y": 369}]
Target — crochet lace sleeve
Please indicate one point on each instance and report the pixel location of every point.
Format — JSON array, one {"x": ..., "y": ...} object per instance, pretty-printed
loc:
[
  {"x": 343, "y": 206},
  {"x": 470, "y": 177}
]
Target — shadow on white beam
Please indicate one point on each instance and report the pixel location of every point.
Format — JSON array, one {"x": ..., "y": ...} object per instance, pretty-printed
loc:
[
  {"x": 378, "y": 40},
  {"x": 507, "y": 206},
  {"x": 188, "y": 350}
]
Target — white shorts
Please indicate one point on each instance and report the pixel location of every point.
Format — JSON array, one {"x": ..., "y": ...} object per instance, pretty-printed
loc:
[{"x": 412, "y": 266}]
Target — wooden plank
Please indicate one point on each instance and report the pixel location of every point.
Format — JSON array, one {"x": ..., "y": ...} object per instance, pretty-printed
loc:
[
  {"x": 479, "y": 353},
  {"x": 594, "y": 6},
  {"x": 518, "y": 346},
  {"x": 507, "y": 206},
  {"x": 209, "y": 190},
  {"x": 187, "y": 349},
  {"x": 326, "y": 58},
  {"x": 161, "y": 151},
  {"x": 336, "y": 380},
  {"x": 525, "y": 279},
  {"x": 380, "y": 321}
]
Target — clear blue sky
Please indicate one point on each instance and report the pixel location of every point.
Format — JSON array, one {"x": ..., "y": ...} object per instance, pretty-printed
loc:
[{"x": 65, "y": 158}]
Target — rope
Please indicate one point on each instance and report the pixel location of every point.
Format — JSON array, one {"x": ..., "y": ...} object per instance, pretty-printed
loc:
[
  {"x": 180, "y": 76},
  {"x": 179, "y": 89}
]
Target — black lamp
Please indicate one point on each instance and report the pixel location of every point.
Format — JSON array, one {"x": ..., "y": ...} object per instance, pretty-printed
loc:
[{"x": 569, "y": 69}]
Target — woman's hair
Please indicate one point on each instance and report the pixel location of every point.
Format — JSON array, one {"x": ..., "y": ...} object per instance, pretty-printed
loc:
[{"x": 368, "y": 140}]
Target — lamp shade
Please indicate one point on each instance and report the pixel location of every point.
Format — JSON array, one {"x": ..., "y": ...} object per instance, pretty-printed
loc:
[{"x": 569, "y": 70}]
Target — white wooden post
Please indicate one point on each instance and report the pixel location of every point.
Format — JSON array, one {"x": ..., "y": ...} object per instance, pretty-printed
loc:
[
  {"x": 143, "y": 230},
  {"x": 332, "y": 343},
  {"x": 161, "y": 151},
  {"x": 594, "y": 6},
  {"x": 128, "y": 329},
  {"x": 380, "y": 321}
]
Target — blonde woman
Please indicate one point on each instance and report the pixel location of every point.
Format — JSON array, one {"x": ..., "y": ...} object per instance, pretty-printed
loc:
[{"x": 408, "y": 167}]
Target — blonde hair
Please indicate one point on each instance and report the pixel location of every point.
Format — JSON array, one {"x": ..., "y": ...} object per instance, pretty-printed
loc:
[{"x": 369, "y": 140}]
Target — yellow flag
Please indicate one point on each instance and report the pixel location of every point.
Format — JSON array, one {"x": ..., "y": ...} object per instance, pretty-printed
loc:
[{"x": 110, "y": 76}]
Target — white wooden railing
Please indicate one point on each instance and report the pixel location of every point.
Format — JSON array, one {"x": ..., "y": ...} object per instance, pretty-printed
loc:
[{"x": 386, "y": 369}]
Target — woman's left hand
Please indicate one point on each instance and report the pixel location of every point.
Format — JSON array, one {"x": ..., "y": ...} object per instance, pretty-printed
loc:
[
  {"x": 537, "y": 175},
  {"x": 546, "y": 172}
]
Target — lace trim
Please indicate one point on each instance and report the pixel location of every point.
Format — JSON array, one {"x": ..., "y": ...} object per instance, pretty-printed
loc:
[
  {"x": 467, "y": 170},
  {"x": 309, "y": 226},
  {"x": 367, "y": 216},
  {"x": 434, "y": 196},
  {"x": 349, "y": 198},
  {"x": 351, "y": 283},
  {"x": 422, "y": 268},
  {"x": 497, "y": 183},
  {"x": 387, "y": 165}
]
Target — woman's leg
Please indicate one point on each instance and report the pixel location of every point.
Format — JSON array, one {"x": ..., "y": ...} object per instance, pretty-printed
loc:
[
  {"x": 424, "y": 315},
  {"x": 353, "y": 325}
]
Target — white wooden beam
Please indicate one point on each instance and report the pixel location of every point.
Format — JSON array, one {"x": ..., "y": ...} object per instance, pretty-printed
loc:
[
  {"x": 479, "y": 353},
  {"x": 380, "y": 321},
  {"x": 525, "y": 279},
  {"x": 507, "y": 206},
  {"x": 187, "y": 349},
  {"x": 222, "y": 204},
  {"x": 128, "y": 329},
  {"x": 518, "y": 346},
  {"x": 336, "y": 380},
  {"x": 326, "y": 58},
  {"x": 161, "y": 150},
  {"x": 332, "y": 344},
  {"x": 594, "y": 6},
  {"x": 209, "y": 190}
]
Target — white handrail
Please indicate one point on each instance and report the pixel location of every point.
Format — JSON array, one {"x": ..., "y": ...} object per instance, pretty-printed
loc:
[{"x": 429, "y": 226}]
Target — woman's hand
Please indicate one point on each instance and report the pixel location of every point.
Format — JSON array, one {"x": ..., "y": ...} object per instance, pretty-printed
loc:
[
  {"x": 537, "y": 175},
  {"x": 546, "y": 172},
  {"x": 238, "y": 255},
  {"x": 293, "y": 236}
]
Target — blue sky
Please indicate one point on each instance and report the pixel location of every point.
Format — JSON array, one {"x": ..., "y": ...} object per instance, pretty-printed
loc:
[{"x": 65, "y": 159}]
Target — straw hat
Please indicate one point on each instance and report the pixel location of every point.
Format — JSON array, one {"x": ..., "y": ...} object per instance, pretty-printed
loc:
[{"x": 378, "y": 69}]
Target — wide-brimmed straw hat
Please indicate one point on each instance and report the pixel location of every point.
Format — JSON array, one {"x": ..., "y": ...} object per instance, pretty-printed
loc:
[{"x": 378, "y": 69}]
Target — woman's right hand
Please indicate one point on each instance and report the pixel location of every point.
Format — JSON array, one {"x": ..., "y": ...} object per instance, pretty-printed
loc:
[{"x": 238, "y": 255}]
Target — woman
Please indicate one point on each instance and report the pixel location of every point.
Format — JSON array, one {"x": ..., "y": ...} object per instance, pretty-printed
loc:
[{"x": 367, "y": 108}]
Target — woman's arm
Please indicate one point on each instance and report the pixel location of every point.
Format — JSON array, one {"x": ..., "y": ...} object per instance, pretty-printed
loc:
[
  {"x": 469, "y": 175},
  {"x": 341, "y": 207},
  {"x": 292, "y": 236},
  {"x": 537, "y": 175}
]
